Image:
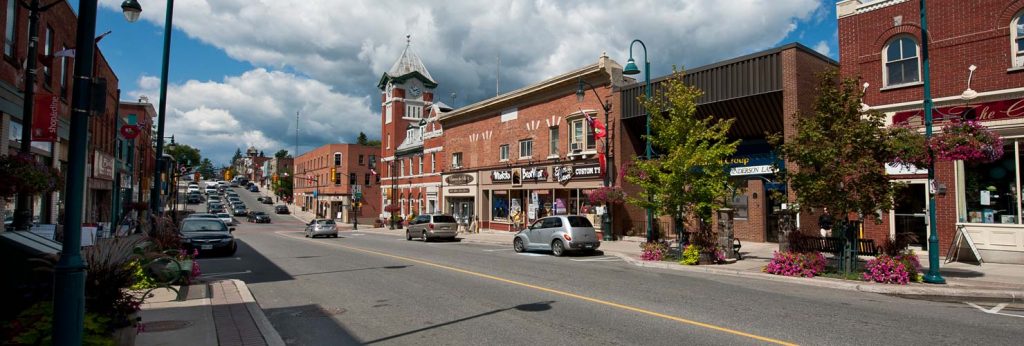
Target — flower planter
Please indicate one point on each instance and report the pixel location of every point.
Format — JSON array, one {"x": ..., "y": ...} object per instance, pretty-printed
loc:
[{"x": 125, "y": 336}]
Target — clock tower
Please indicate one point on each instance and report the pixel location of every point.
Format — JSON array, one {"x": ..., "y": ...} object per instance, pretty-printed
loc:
[{"x": 407, "y": 93}]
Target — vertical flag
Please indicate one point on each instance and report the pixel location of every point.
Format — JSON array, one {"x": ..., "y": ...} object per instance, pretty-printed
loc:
[
  {"x": 44, "y": 117},
  {"x": 599, "y": 129}
]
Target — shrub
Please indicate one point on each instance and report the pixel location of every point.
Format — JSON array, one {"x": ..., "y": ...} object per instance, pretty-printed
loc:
[
  {"x": 653, "y": 251},
  {"x": 806, "y": 264},
  {"x": 691, "y": 255},
  {"x": 34, "y": 325}
]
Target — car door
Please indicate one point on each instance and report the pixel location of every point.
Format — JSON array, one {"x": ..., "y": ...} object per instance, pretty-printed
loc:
[
  {"x": 552, "y": 226},
  {"x": 533, "y": 233}
]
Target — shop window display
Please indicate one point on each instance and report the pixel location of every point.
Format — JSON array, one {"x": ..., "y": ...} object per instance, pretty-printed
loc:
[
  {"x": 499, "y": 206},
  {"x": 990, "y": 190}
]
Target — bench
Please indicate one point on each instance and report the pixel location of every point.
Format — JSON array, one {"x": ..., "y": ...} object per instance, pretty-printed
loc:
[
  {"x": 736, "y": 245},
  {"x": 834, "y": 246}
]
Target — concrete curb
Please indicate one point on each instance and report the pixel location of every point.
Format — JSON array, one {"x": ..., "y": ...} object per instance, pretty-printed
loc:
[
  {"x": 270, "y": 334},
  {"x": 912, "y": 290}
]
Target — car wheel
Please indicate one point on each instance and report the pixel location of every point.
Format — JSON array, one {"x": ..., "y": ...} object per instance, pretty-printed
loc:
[
  {"x": 408, "y": 236},
  {"x": 306, "y": 234},
  {"x": 334, "y": 236},
  {"x": 232, "y": 250},
  {"x": 557, "y": 248},
  {"x": 517, "y": 245},
  {"x": 423, "y": 236}
]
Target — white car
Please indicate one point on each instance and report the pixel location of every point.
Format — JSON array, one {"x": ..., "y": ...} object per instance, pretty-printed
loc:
[
  {"x": 193, "y": 188},
  {"x": 228, "y": 220}
]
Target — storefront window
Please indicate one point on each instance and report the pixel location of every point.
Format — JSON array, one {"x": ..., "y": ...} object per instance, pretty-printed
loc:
[
  {"x": 990, "y": 190},
  {"x": 499, "y": 206}
]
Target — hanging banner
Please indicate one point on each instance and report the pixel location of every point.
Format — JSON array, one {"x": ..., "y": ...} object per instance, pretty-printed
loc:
[
  {"x": 44, "y": 117},
  {"x": 995, "y": 110}
]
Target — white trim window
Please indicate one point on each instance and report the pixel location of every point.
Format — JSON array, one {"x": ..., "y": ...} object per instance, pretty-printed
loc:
[
  {"x": 526, "y": 149},
  {"x": 9, "y": 35},
  {"x": 420, "y": 158},
  {"x": 581, "y": 135},
  {"x": 902, "y": 65},
  {"x": 1017, "y": 39},
  {"x": 413, "y": 111},
  {"x": 503, "y": 152},
  {"x": 456, "y": 160},
  {"x": 337, "y": 159},
  {"x": 387, "y": 117},
  {"x": 433, "y": 162},
  {"x": 553, "y": 142}
]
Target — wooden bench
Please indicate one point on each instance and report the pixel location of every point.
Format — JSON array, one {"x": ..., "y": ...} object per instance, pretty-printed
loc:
[{"x": 834, "y": 246}]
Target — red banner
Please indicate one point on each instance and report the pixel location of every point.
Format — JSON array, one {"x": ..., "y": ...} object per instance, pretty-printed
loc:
[
  {"x": 45, "y": 117},
  {"x": 995, "y": 110}
]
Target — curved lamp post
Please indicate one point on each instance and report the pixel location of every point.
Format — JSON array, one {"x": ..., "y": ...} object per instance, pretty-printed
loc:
[
  {"x": 933, "y": 276},
  {"x": 631, "y": 69},
  {"x": 607, "y": 106}
]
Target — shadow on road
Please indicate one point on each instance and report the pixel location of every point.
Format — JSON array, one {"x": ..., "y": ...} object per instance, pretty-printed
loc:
[
  {"x": 352, "y": 270},
  {"x": 532, "y": 307},
  {"x": 252, "y": 267},
  {"x": 316, "y": 323}
]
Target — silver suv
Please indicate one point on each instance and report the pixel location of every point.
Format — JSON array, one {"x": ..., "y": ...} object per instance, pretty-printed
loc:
[
  {"x": 324, "y": 227},
  {"x": 431, "y": 226},
  {"x": 559, "y": 234}
]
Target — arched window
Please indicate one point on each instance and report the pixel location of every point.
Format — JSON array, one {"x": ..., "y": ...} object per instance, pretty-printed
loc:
[
  {"x": 1017, "y": 39},
  {"x": 902, "y": 65}
]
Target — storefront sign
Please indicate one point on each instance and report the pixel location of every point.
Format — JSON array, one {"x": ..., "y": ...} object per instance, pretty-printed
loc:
[
  {"x": 458, "y": 190},
  {"x": 535, "y": 174},
  {"x": 563, "y": 174},
  {"x": 995, "y": 110},
  {"x": 102, "y": 166},
  {"x": 459, "y": 179},
  {"x": 501, "y": 176},
  {"x": 752, "y": 170},
  {"x": 586, "y": 171},
  {"x": 44, "y": 117}
]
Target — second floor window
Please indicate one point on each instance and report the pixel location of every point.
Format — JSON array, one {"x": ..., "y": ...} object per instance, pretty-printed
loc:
[
  {"x": 47, "y": 51},
  {"x": 553, "y": 141},
  {"x": 337, "y": 178},
  {"x": 12, "y": 10},
  {"x": 581, "y": 136},
  {"x": 456, "y": 160},
  {"x": 352, "y": 179},
  {"x": 1017, "y": 35},
  {"x": 526, "y": 148},
  {"x": 337, "y": 159},
  {"x": 433, "y": 162},
  {"x": 901, "y": 62},
  {"x": 421, "y": 164},
  {"x": 367, "y": 179},
  {"x": 360, "y": 159},
  {"x": 503, "y": 152}
]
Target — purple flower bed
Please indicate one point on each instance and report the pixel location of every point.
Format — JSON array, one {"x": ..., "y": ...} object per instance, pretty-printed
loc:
[{"x": 899, "y": 270}]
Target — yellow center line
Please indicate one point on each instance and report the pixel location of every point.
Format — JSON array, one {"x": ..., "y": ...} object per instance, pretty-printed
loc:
[{"x": 559, "y": 292}]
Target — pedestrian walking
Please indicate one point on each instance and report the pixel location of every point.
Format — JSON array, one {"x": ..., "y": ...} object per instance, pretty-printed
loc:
[{"x": 825, "y": 223}]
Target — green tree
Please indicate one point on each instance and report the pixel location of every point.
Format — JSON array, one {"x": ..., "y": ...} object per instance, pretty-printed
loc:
[
  {"x": 373, "y": 143},
  {"x": 362, "y": 140},
  {"x": 282, "y": 154},
  {"x": 840, "y": 153},
  {"x": 206, "y": 168},
  {"x": 690, "y": 179},
  {"x": 283, "y": 186},
  {"x": 238, "y": 155},
  {"x": 184, "y": 154}
]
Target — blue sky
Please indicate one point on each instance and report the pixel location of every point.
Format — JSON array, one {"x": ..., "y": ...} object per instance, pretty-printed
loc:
[{"x": 240, "y": 69}]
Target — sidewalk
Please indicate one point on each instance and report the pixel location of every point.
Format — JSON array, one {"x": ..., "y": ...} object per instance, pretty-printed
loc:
[
  {"x": 222, "y": 312},
  {"x": 1000, "y": 281}
]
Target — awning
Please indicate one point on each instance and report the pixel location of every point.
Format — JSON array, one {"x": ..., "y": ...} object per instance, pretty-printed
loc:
[{"x": 31, "y": 242}]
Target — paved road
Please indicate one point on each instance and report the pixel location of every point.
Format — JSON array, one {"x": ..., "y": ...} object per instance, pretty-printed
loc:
[{"x": 380, "y": 289}]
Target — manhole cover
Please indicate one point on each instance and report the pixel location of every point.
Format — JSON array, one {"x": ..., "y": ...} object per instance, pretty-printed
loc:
[{"x": 163, "y": 326}]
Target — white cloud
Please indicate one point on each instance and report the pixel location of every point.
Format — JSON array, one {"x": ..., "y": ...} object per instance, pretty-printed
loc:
[
  {"x": 823, "y": 48},
  {"x": 349, "y": 44},
  {"x": 258, "y": 108}
]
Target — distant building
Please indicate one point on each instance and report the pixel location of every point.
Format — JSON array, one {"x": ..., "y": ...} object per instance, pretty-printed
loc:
[{"x": 327, "y": 180}]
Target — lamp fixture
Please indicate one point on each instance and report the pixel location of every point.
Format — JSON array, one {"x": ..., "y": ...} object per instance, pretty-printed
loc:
[
  {"x": 864, "y": 107},
  {"x": 631, "y": 68},
  {"x": 969, "y": 94},
  {"x": 132, "y": 10}
]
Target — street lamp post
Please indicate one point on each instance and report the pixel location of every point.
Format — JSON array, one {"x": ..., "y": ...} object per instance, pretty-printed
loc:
[
  {"x": 132, "y": 10},
  {"x": 933, "y": 276},
  {"x": 69, "y": 273},
  {"x": 23, "y": 204},
  {"x": 607, "y": 106},
  {"x": 631, "y": 69}
]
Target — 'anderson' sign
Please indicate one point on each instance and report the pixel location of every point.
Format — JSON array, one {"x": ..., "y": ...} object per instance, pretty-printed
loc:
[
  {"x": 459, "y": 179},
  {"x": 995, "y": 110}
]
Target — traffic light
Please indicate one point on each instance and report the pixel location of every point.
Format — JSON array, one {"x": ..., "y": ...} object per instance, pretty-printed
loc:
[{"x": 334, "y": 174}]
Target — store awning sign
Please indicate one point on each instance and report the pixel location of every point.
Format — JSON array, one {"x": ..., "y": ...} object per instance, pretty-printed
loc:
[
  {"x": 995, "y": 110},
  {"x": 501, "y": 176},
  {"x": 583, "y": 171},
  {"x": 459, "y": 179}
]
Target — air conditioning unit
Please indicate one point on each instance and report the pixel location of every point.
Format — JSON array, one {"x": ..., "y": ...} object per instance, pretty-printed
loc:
[{"x": 575, "y": 147}]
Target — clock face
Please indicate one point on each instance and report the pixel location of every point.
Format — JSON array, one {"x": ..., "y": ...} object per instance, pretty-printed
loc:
[{"x": 415, "y": 91}]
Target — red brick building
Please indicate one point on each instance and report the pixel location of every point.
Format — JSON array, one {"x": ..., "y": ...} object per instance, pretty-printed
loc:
[
  {"x": 879, "y": 42},
  {"x": 528, "y": 153},
  {"x": 138, "y": 154},
  {"x": 327, "y": 180},
  {"x": 56, "y": 29},
  {"x": 411, "y": 139}
]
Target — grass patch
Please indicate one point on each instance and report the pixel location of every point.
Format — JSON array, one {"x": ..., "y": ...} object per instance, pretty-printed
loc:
[{"x": 832, "y": 274}]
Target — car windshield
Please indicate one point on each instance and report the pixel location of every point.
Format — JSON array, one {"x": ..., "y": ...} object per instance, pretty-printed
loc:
[
  {"x": 201, "y": 225},
  {"x": 444, "y": 219},
  {"x": 325, "y": 222},
  {"x": 579, "y": 221}
]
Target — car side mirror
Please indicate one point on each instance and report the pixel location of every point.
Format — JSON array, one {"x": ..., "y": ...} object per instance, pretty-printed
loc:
[{"x": 231, "y": 229}]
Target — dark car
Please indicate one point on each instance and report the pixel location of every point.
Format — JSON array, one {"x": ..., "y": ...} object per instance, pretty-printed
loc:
[
  {"x": 214, "y": 208},
  {"x": 208, "y": 236},
  {"x": 239, "y": 211},
  {"x": 254, "y": 188},
  {"x": 281, "y": 209},
  {"x": 193, "y": 199},
  {"x": 268, "y": 200},
  {"x": 259, "y": 217}
]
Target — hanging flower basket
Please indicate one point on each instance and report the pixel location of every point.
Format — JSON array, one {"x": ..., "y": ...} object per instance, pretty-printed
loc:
[
  {"x": 609, "y": 194},
  {"x": 22, "y": 174},
  {"x": 908, "y": 147},
  {"x": 392, "y": 208},
  {"x": 968, "y": 141}
]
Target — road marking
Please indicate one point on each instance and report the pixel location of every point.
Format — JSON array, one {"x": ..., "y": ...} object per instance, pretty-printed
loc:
[
  {"x": 562, "y": 293},
  {"x": 531, "y": 254},
  {"x": 493, "y": 250},
  {"x": 205, "y": 275},
  {"x": 995, "y": 310},
  {"x": 356, "y": 234},
  {"x": 599, "y": 259}
]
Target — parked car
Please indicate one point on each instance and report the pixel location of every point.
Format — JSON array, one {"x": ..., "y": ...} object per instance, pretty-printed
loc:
[
  {"x": 559, "y": 234},
  {"x": 318, "y": 227},
  {"x": 227, "y": 219},
  {"x": 193, "y": 188},
  {"x": 234, "y": 184},
  {"x": 253, "y": 188},
  {"x": 268, "y": 200},
  {"x": 202, "y": 216},
  {"x": 281, "y": 209},
  {"x": 259, "y": 217},
  {"x": 239, "y": 210},
  {"x": 214, "y": 208},
  {"x": 208, "y": 235},
  {"x": 210, "y": 190},
  {"x": 432, "y": 226}
]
